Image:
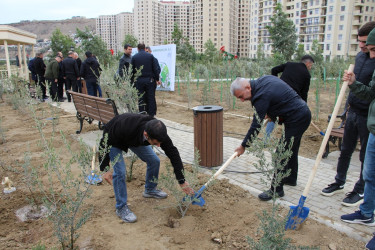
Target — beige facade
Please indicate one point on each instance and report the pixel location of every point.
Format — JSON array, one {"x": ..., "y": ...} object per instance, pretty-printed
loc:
[
  {"x": 113, "y": 28},
  {"x": 176, "y": 12},
  {"x": 216, "y": 20},
  {"x": 333, "y": 23}
]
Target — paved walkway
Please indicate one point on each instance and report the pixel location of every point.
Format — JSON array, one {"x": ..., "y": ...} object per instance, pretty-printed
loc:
[{"x": 324, "y": 209}]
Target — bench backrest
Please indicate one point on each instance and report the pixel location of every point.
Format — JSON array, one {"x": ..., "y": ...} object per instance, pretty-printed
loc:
[{"x": 97, "y": 108}]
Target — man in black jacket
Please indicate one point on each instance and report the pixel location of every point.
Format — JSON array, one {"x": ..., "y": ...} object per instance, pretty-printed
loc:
[
  {"x": 137, "y": 132},
  {"x": 272, "y": 96},
  {"x": 79, "y": 63},
  {"x": 355, "y": 125},
  {"x": 40, "y": 70},
  {"x": 70, "y": 73},
  {"x": 147, "y": 81},
  {"x": 90, "y": 72},
  {"x": 125, "y": 60}
]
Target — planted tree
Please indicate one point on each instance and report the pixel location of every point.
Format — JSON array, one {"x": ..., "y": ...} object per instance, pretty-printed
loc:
[
  {"x": 130, "y": 39},
  {"x": 282, "y": 33}
]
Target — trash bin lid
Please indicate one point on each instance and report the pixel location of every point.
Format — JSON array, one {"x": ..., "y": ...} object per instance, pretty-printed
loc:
[{"x": 207, "y": 109}]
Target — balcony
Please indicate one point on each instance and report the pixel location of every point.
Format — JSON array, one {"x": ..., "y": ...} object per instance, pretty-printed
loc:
[
  {"x": 359, "y": 3},
  {"x": 357, "y": 13}
]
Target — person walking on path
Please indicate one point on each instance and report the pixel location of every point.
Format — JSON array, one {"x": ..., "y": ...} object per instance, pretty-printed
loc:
[
  {"x": 147, "y": 81},
  {"x": 365, "y": 214},
  {"x": 40, "y": 70},
  {"x": 79, "y": 63},
  {"x": 70, "y": 73},
  {"x": 52, "y": 76},
  {"x": 90, "y": 72},
  {"x": 138, "y": 132},
  {"x": 355, "y": 125},
  {"x": 273, "y": 97}
]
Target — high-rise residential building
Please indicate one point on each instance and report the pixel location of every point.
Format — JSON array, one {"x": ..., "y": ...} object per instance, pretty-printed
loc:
[
  {"x": 244, "y": 28},
  {"x": 332, "y": 23},
  {"x": 113, "y": 28},
  {"x": 176, "y": 12},
  {"x": 216, "y": 20}
]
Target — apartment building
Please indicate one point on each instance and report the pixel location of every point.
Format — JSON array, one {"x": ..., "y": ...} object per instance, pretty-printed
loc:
[
  {"x": 113, "y": 28},
  {"x": 216, "y": 20},
  {"x": 176, "y": 12},
  {"x": 333, "y": 23}
]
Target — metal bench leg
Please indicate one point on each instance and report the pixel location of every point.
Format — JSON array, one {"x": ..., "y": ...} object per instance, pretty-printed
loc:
[{"x": 80, "y": 118}]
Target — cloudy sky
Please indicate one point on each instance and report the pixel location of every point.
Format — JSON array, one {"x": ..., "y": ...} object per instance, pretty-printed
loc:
[{"x": 13, "y": 11}]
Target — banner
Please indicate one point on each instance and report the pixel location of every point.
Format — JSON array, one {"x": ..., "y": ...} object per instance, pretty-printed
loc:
[{"x": 166, "y": 55}]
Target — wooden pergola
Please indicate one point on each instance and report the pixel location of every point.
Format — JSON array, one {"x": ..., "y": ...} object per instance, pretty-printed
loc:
[{"x": 12, "y": 36}]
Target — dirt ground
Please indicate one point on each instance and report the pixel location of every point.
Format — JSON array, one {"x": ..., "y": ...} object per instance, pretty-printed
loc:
[{"x": 230, "y": 213}]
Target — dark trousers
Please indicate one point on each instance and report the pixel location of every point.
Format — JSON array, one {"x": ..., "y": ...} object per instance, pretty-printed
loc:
[
  {"x": 42, "y": 85},
  {"x": 69, "y": 83},
  {"x": 355, "y": 126},
  {"x": 146, "y": 95},
  {"x": 91, "y": 87},
  {"x": 79, "y": 86},
  {"x": 60, "y": 90},
  {"x": 294, "y": 130},
  {"x": 52, "y": 89}
]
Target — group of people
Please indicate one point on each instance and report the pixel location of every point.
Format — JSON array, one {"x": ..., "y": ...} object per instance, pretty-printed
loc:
[{"x": 66, "y": 72}]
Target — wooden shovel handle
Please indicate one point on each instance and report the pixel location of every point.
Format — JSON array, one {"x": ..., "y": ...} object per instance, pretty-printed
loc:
[
  {"x": 93, "y": 158},
  {"x": 327, "y": 134},
  {"x": 221, "y": 169},
  {"x": 316, "y": 127}
]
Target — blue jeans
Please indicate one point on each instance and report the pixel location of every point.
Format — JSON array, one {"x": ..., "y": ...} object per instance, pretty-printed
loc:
[
  {"x": 269, "y": 128},
  {"x": 368, "y": 206},
  {"x": 91, "y": 87},
  {"x": 355, "y": 126},
  {"x": 146, "y": 154}
]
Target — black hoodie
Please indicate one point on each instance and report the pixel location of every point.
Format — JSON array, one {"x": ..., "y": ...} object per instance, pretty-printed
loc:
[{"x": 90, "y": 69}]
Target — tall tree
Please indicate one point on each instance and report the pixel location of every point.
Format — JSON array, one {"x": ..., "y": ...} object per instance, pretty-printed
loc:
[
  {"x": 130, "y": 39},
  {"x": 260, "y": 51},
  {"x": 317, "y": 52},
  {"x": 94, "y": 44},
  {"x": 186, "y": 53},
  {"x": 283, "y": 34},
  {"x": 300, "y": 52},
  {"x": 177, "y": 35},
  {"x": 210, "y": 52},
  {"x": 61, "y": 42}
]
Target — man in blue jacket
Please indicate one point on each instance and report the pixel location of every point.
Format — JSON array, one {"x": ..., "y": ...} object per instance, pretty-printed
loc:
[
  {"x": 355, "y": 125},
  {"x": 273, "y": 97},
  {"x": 148, "y": 79}
]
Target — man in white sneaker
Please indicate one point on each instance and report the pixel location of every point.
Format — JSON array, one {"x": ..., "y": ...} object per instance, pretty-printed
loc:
[
  {"x": 355, "y": 125},
  {"x": 138, "y": 132},
  {"x": 365, "y": 214}
]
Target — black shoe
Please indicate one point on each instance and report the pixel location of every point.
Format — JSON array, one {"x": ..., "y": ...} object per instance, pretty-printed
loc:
[
  {"x": 267, "y": 195},
  {"x": 332, "y": 189},
  {"x": 352, "y": 199}
]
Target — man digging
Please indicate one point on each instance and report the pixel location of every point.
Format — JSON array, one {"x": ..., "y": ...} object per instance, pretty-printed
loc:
[{"x": 138, "y": 132}]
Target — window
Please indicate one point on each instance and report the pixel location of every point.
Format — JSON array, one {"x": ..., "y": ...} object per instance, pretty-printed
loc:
[
  {"x": 341, "y": 27},
  {"x": 327, "y": 46},
  {"x": 342, "y": 8},
  {"x": 340, "y": 36},
  {"x": 330, "y": 18},
  {"x": 328, "y": 36},
  {"x": 330, "y": 9},
  {"x": 329, "y": 27},
  {"x": 339, "y": 47},
  {"x": 342, "y": 18}
]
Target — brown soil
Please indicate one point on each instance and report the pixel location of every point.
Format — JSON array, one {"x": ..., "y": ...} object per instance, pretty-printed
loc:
[{"x": 230, "y": 215}]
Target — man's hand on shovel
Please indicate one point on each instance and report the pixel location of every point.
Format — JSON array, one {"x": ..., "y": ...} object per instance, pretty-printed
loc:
[{"x": 348, "y": 76}]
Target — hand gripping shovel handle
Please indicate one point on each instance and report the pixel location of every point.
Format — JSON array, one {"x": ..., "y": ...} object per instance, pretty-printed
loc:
[{"x": 327, "y": 134}]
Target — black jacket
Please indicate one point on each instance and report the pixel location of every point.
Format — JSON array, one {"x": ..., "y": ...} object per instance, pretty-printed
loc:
[
  {"x": 70, "y": 68},
  {"x": 272, "y": 96},
  {"x": 40, "y": 67},
  {"x": 124, "y": 64},
  {"x": 90, "y": 69},
  {"x": 150, "y": 70},
  {"x": 296, "y": 75},
  {"x": 363, "y": 70},
  {"x": 79, "y": 63},
  {"x": 126, "y": 131}
]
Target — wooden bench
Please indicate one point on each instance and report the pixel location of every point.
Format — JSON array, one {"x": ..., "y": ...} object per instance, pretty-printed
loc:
[
  {"x": 336, "y": 134},
  {"x": 91, "y": 108}
]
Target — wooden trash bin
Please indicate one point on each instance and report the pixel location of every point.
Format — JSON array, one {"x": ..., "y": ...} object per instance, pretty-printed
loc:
[{"x": 208, "y": 134}]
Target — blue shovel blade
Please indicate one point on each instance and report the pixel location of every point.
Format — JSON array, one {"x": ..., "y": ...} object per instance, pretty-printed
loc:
[
  {"x": 197, "y": 198},
  {"x": 297, "y": 215},
  {"x": 94, "y": 179}
]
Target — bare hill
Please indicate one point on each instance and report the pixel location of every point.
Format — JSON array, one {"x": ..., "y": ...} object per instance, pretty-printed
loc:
[{"x": 45, "y": 28}]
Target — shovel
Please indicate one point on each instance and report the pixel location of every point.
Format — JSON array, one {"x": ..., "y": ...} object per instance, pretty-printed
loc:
[
  {"x": 317, "y": 128},
  {"x": 197, "y": 198},
  {"x": 93, "y": 178},
  {"x": 298, "y": 214}
]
